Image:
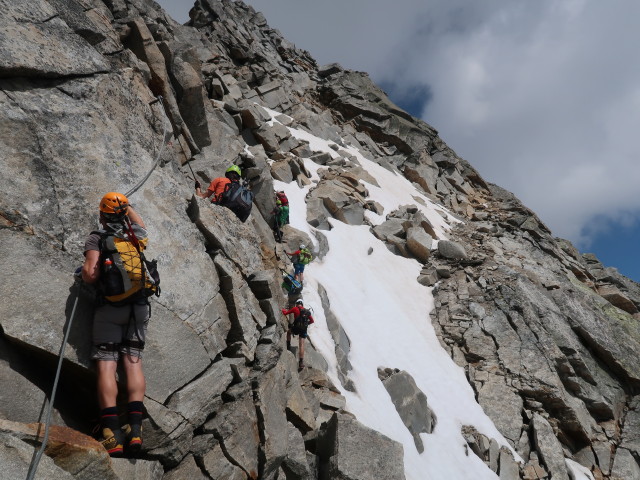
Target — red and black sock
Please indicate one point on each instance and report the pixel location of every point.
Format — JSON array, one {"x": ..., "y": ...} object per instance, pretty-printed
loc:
[
  {"x": 136, "y": 412},
  {"x": 109, "y": 418}
]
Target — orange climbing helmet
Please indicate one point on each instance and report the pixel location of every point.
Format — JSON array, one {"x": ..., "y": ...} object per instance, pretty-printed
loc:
[{"x": 114, "y": 203}]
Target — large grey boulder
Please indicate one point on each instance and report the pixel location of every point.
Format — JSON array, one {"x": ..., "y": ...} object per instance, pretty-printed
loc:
[
  {"x": 80, "y": 455},
  {"x": 451, "y": 250},
  {"x": 318, "y": 214},
  {"x": 392, "y": 227},
  {"x": 604, "y": 327},
  {"x": 218, "y": 466},
  {"x": 419, "y": 243},
  {"x": 340, "y": 201},
  {"x": 187, "y": 469},
  {"x": 549, "y": 447},
  {"x": 617, "y": 298},
  {"x": 509, "y": 468},
  {"x": 253, "y": 116},
  {"x": 196, "y": 401},
  {"x": 167, "y": 435},
  {"x": 193, "y": 104},
  {"x": 410, "y": 402},
  {"x": 236, "y": 427},
  {"x": 348, "y": 450},
  {"x": 16, "y": 457},
  {"x": 625, "y": 466},
  {"x": 421, "y": 169},
  {"x": 296, "y": 458}
]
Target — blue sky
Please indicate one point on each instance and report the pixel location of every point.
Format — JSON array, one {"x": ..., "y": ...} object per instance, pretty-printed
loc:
[{"x": 543, "y": 98}]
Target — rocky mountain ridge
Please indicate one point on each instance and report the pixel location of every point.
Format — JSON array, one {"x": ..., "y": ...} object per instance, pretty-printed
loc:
[{"x": 548, "y": 338}]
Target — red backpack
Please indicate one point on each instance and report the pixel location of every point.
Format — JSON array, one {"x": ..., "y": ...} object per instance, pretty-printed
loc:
[{"x": 283, "y": 198}]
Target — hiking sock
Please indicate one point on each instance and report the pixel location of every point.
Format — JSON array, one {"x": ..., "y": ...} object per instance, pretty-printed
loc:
[
  {"x": 136, "y": 411},
  {"x": 134, "y": 431},
  {"x": 300, "y": 364},
  {"x": 111, "y": 433},
  {"x": 109, "y": 418},
  {"x": 288, "y": 345}
]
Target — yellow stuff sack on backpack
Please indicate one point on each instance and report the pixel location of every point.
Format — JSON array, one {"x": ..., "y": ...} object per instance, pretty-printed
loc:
[{"x": 123, "y": 272}]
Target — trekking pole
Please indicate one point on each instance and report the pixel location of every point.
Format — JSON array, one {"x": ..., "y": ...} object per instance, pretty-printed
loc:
[{"x": 36, "y": 460}]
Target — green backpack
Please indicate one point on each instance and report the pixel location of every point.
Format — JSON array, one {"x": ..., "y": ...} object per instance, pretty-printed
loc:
[{"x": 305, "y": 256}]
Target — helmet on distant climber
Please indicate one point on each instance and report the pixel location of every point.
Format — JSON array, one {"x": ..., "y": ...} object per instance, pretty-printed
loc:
[
  {"x": 233, "y": 169},
  {"x": 114, "y": 203},
  {"x": 302, "y": 246},
  {"x": 299, "y": 302}
]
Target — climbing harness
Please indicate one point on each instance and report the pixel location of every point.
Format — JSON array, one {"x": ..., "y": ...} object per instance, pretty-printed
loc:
[
  {"x": 36, "y": 459},
  {"x": 155, "y": 164}
]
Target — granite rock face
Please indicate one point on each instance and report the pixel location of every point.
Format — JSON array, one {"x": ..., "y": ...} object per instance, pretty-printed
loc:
[
  {"x": 113, "y": 95},
  {"x": 342, "y": 446}
]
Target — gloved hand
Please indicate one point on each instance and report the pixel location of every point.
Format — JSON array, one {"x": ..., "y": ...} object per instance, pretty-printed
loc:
[
  {"x": 283, "y": 310},
  {"x": 198, "y": 185}
]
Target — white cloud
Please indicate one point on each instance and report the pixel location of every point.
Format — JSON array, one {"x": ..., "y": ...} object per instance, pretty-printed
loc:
[
  {"x": 539, "y": 101},
  {"x": 541, "y": 97}
]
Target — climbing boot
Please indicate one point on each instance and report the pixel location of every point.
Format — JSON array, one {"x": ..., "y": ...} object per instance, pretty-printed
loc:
[
  {"x": 133, "y": 436},
  {"x": 112, "y": 441}
]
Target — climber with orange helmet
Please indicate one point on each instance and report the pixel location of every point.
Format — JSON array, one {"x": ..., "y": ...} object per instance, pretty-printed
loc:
[
  {"x": 113, "y": 261},
  {"x": 219, "y": 185}
]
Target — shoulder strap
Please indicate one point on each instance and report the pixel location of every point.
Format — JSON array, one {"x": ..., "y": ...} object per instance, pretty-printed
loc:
[
  {"x": 116, "y": 258},
  {"x": 103, "y": 236}
]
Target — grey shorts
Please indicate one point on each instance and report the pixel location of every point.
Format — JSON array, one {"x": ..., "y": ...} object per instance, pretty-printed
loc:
[{"x": 119, "y": 330}]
